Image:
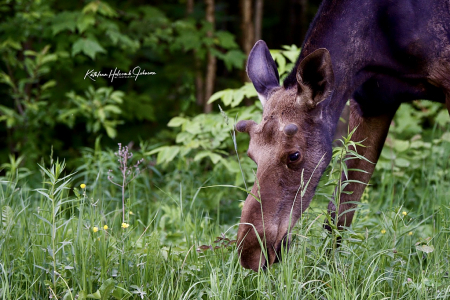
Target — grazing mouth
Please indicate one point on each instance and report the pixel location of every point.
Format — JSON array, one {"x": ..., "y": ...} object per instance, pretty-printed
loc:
[{"x": 284, "y": 241}]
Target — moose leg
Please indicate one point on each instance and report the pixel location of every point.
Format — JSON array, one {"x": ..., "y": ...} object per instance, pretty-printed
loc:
[{"x": 373, "y": 131}]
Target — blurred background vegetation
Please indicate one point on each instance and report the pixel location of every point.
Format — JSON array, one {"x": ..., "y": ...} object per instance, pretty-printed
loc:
[
  {"x": 49, "y": 107},
  {"x": 180, "y": 120},
  {"x": 195, "y": 48}
]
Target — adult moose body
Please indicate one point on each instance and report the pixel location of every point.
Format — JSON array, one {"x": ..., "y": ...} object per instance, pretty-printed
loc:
[{"x": 379, "y": 53}]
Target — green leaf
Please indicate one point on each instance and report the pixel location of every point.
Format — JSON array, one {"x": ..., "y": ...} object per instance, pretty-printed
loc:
[
  {"x": 446, "y": 137},
  {"x": 30, "y": 53},
  {"x": 280, "y": 60},
  {"x": 442, "y": 118},
  {"x": 95, "y": 295},
  {"x": 291, "y": 52},
  {"x": 48, "y": 58},
  {"x": 84, "y": 21},
  {"x": 234, "y": 58},
  {"x": 216, "y": 96},
  {"x": 6, "y": 79},
  {"x": 110, "y": 131},
  {"x": 238, "y": 96},
  {"x": 82, "y": 295},
  {"x": 122, "y": 40},
  {"x": 48, "y": 84},
  {"x": 215, "y": 158},
  {"x": 106, "y": 288},
  {"x": 66, "y": 20},
  {"x": 87, "y": 46},
  {"x": 165, "y": 153},
  {"x": 401, "y": 146},
  {"x": 425, "y": 248},
  {"x": 177, "y": 122},
  {"x": 226, "y": 39},
  {"x": 113, "y": 108},
  {"x": 401, "y": 162}
]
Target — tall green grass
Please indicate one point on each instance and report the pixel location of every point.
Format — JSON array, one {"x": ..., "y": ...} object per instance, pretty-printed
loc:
[{"x": 53, "y": 243}]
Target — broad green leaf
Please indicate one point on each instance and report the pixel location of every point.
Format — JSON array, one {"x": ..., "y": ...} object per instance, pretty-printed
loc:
[
  {"x": 177, "y": 122},
  {"x": 110, "y": 131},
  {"x": 401, "y": 146},
  {"x": 87, "y": 46},
  {"x": 166, "y": 153},
  {"x": 216, "y": 96},
  {"x": 84, "y": 21},
  {"x": 215, "y": 158},
  {"x": 65, "y": 20},
  {"x": 106, "y": 288},
  {"x": 100, "y": 7},
  {"x": 401, "y": 162},
  {"x": 446, "y": 137},
  {"x": 82, "y": 295},
  {"x": 238, "y": 96},
  {"x": 234, "y": 58},
  {"x": 291, "y": 52},
  {"x": 442, "y": 118},
  {"x": 95, "y": 295},
  {"x": 425, "y": 248},
  {"x": 226, "y": 39},
  {"x": 112, "y": 108}
]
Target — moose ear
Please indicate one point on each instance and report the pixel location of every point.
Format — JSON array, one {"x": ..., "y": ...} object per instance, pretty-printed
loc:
[
  {"x": 262, "y": 71},
  {"x": 315, "y": 73}
]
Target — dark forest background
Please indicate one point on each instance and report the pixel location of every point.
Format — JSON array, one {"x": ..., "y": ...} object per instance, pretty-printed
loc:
[{"x": 195, "y": 48}]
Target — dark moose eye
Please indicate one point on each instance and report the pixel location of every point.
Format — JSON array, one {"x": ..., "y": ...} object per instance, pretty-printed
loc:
[{"x": 294, "y": 156}]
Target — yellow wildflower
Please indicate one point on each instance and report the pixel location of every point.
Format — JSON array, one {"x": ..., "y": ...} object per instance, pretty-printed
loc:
[
  {"x": 404, "y": 213},
  {"x": 383, "y": 231},
  {"x": 83, "y": 186},
  {"x": 125, "y": 225},
  {"x": 131, "y": 213},
  {"x": 105, "y": 227},
  {"x": 410, "y": 233},
  {"x": 95, "y": 229}
]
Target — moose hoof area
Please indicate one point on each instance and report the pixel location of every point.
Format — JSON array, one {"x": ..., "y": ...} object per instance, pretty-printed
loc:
[{"x": 327, "y": 226}]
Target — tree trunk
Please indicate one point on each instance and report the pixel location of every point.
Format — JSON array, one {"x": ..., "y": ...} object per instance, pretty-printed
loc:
[
  {"x": 199, "y": 84},
  {"x": 258, "y": 19},
  {"x": 248, "y": 35},
  {"x": 247, "y": 27},
  {"x": 189, "y": 7},
  {"x": 211, "y": 61}
]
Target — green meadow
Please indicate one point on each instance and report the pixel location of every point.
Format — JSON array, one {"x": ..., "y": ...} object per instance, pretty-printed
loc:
[
  {"x": 156, "y": 216},
  {"x": 68, "y": 235}
]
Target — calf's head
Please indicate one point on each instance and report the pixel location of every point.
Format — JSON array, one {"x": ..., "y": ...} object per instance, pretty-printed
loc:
[{"x": 291, "y": 147}]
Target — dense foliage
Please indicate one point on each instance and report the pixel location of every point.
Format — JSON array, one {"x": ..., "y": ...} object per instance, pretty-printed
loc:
[
  {"x": 74, "y": 224},
  {"x": 47, "y": 49}
]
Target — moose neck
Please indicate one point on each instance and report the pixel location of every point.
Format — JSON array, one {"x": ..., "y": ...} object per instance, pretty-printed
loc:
[{"x": 335, "y": 28}]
